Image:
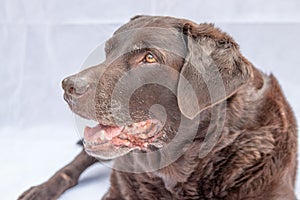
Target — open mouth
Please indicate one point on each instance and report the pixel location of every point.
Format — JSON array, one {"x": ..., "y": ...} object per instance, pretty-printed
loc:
[{"x": 134, "y": 136}]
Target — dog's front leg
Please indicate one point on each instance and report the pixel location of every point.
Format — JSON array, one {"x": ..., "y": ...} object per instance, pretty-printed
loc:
[{"x": 62, "y": 180}]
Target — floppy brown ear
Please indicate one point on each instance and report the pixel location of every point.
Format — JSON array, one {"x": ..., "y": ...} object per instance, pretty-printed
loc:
[{"x": 213, "y": 69}]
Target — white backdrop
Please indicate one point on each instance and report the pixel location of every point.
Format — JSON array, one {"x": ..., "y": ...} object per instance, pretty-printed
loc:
[{"x": 43, "y": 41}]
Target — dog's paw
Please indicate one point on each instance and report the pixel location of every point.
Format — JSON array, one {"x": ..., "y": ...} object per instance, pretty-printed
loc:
[{"x": 40, "y": 192}]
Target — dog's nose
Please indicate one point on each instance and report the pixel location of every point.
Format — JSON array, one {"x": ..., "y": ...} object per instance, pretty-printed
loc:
[{"x": 75, "y": 86}]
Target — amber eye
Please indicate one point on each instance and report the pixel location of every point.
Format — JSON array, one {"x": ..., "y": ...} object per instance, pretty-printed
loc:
[{"x": 149, "y": 58}]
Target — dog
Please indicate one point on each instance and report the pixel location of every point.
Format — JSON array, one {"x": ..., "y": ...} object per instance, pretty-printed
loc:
[{"x": 184, "y": 115}]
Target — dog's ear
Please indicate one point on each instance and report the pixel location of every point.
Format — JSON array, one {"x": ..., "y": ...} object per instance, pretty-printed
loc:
[{"x": 213, "y": 69}]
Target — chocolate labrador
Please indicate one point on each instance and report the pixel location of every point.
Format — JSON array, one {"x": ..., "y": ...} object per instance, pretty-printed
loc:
[{"x": 183, "y": 115}]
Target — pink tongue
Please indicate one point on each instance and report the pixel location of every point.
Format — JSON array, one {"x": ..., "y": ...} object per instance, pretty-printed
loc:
[
  {"x": 92, "y": 134},
  {"x": 111, "y": 132}
]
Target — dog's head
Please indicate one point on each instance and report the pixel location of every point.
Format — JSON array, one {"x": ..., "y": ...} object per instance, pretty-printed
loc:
[{"x": 157, "y": 71}]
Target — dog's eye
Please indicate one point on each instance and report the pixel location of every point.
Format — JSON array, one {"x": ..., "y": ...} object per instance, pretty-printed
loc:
[{"x": 149, "y": 58}]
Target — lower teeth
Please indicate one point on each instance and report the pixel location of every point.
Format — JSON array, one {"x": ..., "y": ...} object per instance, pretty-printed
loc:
[{"x": 102, "y": 135}]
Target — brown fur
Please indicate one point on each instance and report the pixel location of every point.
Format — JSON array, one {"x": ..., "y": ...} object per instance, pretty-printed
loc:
[{"x": 255, "y": 155}]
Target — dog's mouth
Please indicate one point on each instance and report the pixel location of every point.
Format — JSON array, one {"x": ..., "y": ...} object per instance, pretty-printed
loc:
[{"x": 102, "y": 138}]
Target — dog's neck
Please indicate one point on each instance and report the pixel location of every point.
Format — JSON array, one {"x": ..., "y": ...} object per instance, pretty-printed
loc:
[{"x": 180, "y": 170}]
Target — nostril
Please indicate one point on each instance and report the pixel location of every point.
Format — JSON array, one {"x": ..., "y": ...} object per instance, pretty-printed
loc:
[
  {"x": 71, "y": 90},
  {"x": 75, "y": 86},
  {"x": 78, "y": 90}
]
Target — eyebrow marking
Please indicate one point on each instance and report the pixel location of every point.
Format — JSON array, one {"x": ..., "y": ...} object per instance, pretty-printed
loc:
[
  {"x": 142, "y": 45},
  {"x": 138, "y": 46}
]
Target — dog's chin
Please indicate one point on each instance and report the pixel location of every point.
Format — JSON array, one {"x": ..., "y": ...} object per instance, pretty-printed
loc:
[
  {"x": 109, "y": 142},
  {"x": 107, "y": 152}
]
